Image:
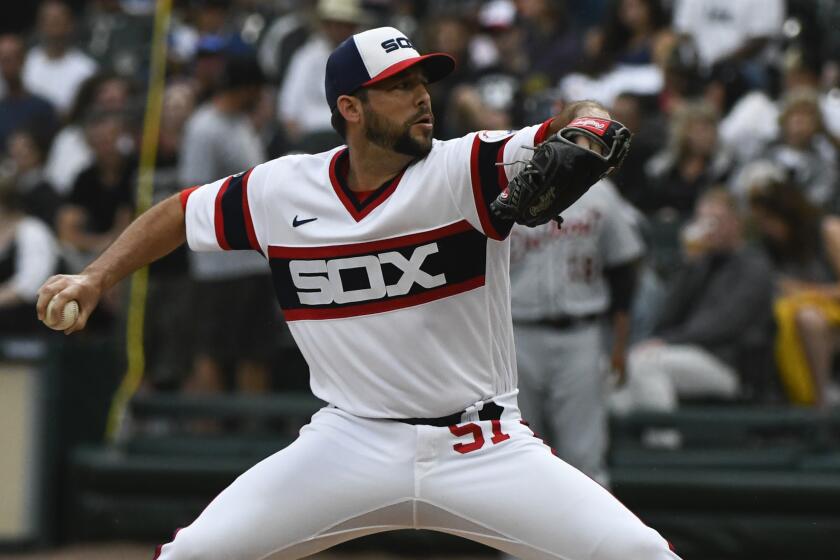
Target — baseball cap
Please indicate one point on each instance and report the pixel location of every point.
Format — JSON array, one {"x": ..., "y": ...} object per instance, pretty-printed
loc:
[{"x": 371, "y": 56}]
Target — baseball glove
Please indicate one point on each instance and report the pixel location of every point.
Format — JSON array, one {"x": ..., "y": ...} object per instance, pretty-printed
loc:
[{"x": 561, "y": 171}]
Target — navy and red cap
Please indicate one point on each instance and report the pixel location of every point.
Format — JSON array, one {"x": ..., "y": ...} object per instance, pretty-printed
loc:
[{"x": 376, "y": 54}]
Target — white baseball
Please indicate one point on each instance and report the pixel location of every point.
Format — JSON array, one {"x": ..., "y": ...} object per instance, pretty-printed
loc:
[{"x": 67, "y": 317}]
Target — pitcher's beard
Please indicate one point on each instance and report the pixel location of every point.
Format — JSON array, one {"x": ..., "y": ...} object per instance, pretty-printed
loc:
[{"x": 384, "y": 134}]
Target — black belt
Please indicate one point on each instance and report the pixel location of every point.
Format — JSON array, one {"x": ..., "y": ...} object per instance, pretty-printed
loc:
[
  {"x": 491, "y": 411},
  {"x": 564, "y": 322}
]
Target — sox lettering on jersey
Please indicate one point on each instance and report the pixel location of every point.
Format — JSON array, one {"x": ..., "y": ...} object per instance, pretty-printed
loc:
[
  {"x": 338, "y": 281},
  {"x": 320, "y": 281}
]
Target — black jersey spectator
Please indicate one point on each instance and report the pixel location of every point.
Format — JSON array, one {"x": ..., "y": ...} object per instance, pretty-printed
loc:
[
  {"x": 100, "y": 205},
  {"x": 693, "y": 160}
]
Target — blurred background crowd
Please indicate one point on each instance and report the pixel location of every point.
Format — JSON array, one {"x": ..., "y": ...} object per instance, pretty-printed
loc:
[{"x": 739, "y": 98}]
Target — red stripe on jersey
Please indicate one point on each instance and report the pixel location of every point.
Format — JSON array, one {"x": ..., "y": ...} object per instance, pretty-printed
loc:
[
  {"x": 185, "y": 194},
  {"x": 218, "y": 219},
  {"x": 478, "y": 195},
  {"x": 542, "y": 132},
  {"x": 382, "y": 306},
  {"x": 246, "y": 212},
  {"x": 278, "y": 252}
]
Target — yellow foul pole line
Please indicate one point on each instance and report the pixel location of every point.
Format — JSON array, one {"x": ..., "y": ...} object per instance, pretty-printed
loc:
[{"x": 135, "y": 353}]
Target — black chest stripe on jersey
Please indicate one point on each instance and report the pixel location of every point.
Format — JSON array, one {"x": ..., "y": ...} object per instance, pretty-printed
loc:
[{"x": 363, "y": 278}]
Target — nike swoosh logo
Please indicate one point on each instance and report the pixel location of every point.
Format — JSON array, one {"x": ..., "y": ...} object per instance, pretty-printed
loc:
[{"x": 296, "y": 222}]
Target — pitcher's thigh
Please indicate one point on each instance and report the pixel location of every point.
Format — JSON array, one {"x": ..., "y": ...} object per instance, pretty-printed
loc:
[
  {"x": 317, "y": 492},
  {"x": 521, "y": 499}
]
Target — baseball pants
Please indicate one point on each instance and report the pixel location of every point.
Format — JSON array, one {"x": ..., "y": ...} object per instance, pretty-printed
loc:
[
  {"x": 490, "y": 481},
  {"x": 562, "y": 391}
]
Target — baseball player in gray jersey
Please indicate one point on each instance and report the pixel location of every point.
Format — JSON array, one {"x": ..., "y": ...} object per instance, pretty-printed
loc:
[{"x": 564, "y": 281}]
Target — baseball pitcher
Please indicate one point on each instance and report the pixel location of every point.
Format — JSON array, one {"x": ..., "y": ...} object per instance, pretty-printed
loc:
[{"x": 389, "y": 257}]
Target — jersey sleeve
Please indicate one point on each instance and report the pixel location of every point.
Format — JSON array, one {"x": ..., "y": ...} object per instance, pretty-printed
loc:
[
  {"x": 220, "y": 216},
  {"x": 479, "y": 167}
]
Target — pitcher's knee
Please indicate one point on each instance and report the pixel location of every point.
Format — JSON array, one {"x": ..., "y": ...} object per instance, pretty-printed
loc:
[{"x": 642, "y": 543}]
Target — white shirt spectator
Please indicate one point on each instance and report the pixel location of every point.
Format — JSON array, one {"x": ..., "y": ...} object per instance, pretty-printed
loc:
[
  {"x": 643, "y": 79},
  {"x": 720, "y": 27},
  {"x": 57, "y": 79},
  {"x": 302, "y": 98},
  {"x": 35, "y": 259},
  {"x": 69, "y": 155}
]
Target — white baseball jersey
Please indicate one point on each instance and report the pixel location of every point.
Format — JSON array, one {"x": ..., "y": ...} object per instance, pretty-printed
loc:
[
  {"x": 558, "y": 272},
  {"x": 401, "y": 303}
]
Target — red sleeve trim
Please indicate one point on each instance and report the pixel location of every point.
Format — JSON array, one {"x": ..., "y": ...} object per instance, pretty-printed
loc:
[
  {"x": 218, "y": 217},
  {"x": 478, "y": 195},
  {"x": 542, "y": 131},
  {"x": 185, "y": 194},
  {"x": 246, "y": 212}
]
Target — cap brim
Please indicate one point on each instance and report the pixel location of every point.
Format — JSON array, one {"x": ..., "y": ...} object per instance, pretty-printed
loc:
[{"x": 436, "y": 65}]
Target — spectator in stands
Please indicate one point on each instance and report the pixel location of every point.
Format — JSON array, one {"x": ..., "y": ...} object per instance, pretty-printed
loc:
[
  {"x": 721, "y": 294},
  {"x": 100, "y": 205},
  {"x": 70, "y": 152},
  {"x": 728, "y": 32},
  {"x": 26, "y": 149},
  {"x": 300, "y": 103},
  {"x": 804, "y": 245},
  {"x": 219, "y": 140},
  {"x": 621, "y": 56},
  {"x": 693, "y": 160},
  {"x": 167, "y": 335},
  {"x": 449, "y": 33},
  {"x": 551, "y": 43},
  {"x": 630, "y": 35},
  {"x": 116, "y": 39},
  {"x": 54, "y": 60},
  {"x": 491, "y": 99},
  {"x": 805, "y": 150},
  {"x": 649, "y": 128},
  {"x": 18, "y": 107},
  {"x": 28, "y": 256}
]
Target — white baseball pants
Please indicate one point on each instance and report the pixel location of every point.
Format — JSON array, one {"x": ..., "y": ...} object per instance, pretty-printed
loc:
[{"x": 345, "y": 477}]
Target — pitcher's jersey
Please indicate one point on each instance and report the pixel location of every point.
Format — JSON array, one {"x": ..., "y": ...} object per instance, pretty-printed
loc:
[
  {"x": 401, "y": 303},
  {"x": 559, "y": 272}
]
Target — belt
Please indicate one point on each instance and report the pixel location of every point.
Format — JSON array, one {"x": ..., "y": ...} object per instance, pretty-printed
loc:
[
  {"x": 565, "y": 322},
  {"x": 491, "y": 411}
]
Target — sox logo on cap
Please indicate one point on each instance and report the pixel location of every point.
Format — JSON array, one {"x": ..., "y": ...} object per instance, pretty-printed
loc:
[{"x": 372, "y": 56}]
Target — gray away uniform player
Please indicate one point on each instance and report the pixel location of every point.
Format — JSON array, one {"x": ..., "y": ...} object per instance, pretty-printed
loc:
[
  {"x": 560, "y": 290},
  {"x": 401, "y": 305}
]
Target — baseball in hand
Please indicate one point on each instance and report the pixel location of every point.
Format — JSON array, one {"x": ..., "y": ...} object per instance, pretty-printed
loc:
[{"x": 65, "y": 319}]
